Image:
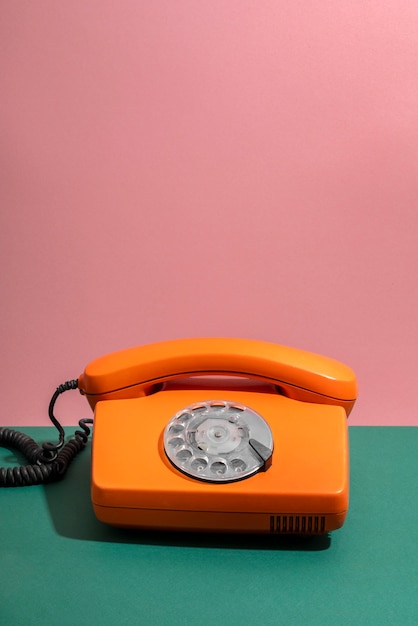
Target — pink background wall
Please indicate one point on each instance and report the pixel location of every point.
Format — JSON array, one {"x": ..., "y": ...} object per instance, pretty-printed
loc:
[{"x": 187, "y": 168}]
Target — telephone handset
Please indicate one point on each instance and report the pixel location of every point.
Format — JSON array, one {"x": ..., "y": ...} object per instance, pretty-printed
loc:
[
  {"x": 209, "y": 459},
  {"x": 300, "y": 375}
]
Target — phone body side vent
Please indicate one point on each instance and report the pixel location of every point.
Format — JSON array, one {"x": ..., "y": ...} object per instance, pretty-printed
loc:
[{"x": 294, "y": 524}]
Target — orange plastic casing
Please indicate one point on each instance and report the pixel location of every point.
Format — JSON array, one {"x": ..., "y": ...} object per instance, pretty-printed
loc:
[{"x": 305, "y": 490}]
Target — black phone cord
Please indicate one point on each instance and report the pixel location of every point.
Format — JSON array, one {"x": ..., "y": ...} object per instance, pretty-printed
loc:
[{"x": 49, "y": 462}]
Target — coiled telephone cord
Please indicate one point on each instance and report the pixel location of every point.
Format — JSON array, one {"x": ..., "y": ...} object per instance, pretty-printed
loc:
[{"x": 49, "y": 462}]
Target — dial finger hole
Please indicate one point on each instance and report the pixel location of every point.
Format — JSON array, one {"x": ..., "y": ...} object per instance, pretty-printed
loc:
[
  {"x": 175, "y": 441},
  {"x": 183, "y": 455},
  {"x": 199, "y": 464},
  {"x": 218, "y": 467},
  {"x": 238, "y": 465}
]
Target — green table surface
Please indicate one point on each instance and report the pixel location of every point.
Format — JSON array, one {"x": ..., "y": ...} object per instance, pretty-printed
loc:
[{"x": 59, "y": 565}]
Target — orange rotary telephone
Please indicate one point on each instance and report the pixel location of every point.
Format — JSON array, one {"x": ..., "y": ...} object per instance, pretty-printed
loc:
[{"x": 264, "y": 450}]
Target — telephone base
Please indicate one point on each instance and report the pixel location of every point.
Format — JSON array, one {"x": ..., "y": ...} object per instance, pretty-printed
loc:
[{"x": 305, "y": 490}]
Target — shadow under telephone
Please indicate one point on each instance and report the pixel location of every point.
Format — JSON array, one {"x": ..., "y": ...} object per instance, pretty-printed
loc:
[{"x": 221, "y": 435}]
